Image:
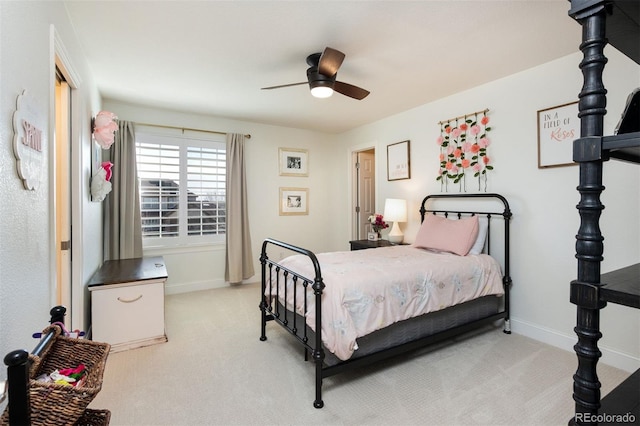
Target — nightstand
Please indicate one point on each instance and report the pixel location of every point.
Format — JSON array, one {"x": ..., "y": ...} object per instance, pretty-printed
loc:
[{"x": 368, "y": 244}]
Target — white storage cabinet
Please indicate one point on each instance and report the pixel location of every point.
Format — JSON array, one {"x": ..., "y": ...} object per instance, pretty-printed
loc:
[{"x": 127, "y": 303}]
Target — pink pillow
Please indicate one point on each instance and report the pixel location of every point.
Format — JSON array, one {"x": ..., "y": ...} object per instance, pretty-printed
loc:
[{"x": 440, "y": 233}]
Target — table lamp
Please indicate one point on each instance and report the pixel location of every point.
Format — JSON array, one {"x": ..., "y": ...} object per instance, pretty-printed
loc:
[{"x": 395, "y": 210}]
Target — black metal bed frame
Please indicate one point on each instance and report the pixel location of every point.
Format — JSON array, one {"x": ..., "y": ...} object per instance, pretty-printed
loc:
[{"x": 271, "y": 271}]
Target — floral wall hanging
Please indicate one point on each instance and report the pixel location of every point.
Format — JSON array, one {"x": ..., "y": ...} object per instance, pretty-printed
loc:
[
  {"x": 101, "y": 182},
  {"x": 463, "y": 145},
  {"x": 104, "y": 127}
]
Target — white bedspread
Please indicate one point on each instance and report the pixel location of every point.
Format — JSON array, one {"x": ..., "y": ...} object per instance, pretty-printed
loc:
[{"x": 367, "y": 290}]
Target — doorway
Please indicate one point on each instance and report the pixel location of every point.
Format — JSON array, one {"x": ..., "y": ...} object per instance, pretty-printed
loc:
[
  {"x": 364, "y": 191},
  {"x": 62, "y": 191},
  {"x": 66, "y": 187}
]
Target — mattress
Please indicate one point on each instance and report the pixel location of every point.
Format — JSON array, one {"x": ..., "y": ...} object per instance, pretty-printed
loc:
[{"x": 369, "y": 290}]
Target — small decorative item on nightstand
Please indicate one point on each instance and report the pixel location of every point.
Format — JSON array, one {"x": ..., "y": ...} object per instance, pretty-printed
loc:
[{"x": 377, "y": 225}]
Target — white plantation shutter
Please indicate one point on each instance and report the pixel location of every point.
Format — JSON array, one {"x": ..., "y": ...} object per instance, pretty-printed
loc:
[
  {"x": 206, "y": 173},
  {"x": 182, "y": 186},
  {"x": 159, "y": 180}
]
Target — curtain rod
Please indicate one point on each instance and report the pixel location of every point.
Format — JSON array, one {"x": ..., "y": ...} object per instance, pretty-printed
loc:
[
  {"x": 248, "y": 136},
  {"x": 484, "y": 111}
]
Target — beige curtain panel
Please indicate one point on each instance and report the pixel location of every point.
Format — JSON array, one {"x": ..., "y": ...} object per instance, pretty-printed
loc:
[
  {"x": 122, "y": 224},
  {"x": 239, "y": 259}
]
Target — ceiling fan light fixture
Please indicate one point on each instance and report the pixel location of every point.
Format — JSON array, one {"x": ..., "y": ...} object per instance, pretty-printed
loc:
[
  {"x": 321, "y": 86},
  {"x": 321, "y": 91}
]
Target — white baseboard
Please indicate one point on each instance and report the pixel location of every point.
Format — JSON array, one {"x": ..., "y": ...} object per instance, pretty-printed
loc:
[
  {"x": 194, "y": 286},
  {"x": 610, "y": 357}
]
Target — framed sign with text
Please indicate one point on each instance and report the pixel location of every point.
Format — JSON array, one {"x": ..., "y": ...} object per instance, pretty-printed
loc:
[
  {"x": 557, "y": 128},
  {"x": 398, "y": 161}
]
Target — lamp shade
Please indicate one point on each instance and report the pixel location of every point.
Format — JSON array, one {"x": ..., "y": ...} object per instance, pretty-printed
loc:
[{"x": 395, "y": 210}]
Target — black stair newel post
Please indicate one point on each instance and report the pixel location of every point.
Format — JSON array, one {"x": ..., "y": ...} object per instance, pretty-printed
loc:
[{"x": 589, "y": 247}]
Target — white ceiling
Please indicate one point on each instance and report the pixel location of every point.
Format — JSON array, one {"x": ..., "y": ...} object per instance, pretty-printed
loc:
[{"x": 212, "y": 57}]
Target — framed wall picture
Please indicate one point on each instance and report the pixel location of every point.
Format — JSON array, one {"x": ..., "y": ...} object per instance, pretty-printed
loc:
[
  {"x": 398, "y": 161},
  {"x": 557, "y": 128},
  {"x": 294, "y": 201},
  {"x": 294, "y": 162}
]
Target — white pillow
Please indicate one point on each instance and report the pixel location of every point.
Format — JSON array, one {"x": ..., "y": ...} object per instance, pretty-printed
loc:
[{"x": 483, "y": 228}]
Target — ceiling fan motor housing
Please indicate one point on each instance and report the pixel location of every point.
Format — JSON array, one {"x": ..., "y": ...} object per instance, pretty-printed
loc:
[
  {"x": 319, "y": 80},
  {"x": 314, "y": 77}
]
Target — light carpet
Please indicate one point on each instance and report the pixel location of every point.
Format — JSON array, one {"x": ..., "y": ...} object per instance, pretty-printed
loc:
[{"x": 214, "y": 370}]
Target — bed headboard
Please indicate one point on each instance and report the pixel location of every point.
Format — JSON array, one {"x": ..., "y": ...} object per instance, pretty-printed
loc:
[{"x": 489, "y": 205}]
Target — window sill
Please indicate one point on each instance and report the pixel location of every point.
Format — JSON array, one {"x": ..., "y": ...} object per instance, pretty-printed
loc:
[{"x": 186, "y": 248}]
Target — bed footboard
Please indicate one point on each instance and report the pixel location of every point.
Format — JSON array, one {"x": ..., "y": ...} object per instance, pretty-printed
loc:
[{"x": 272, "y": 273}]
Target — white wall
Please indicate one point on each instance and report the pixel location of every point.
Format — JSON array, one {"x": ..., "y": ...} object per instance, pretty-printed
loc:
[
  {"x": 27, "y": 54},
  {"x": 201, "y": 267},
  {"x": 543, "y": 201}
]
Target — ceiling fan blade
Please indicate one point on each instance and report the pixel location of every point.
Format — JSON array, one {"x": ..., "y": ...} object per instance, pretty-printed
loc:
[
  {"x": 284, "y": 85},
  {"x": 330, "y": 61},
  {"x": 350, "y": 90}
]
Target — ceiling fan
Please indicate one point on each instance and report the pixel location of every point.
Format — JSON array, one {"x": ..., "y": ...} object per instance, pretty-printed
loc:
[{"x": 321, "y": 76}]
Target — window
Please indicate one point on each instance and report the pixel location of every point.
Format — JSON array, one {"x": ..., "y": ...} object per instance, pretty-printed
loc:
[{"x": 182, "y": 179}]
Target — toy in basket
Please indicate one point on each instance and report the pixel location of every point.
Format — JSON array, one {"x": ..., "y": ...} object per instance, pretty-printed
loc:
[{"x": 63, "y": 404}]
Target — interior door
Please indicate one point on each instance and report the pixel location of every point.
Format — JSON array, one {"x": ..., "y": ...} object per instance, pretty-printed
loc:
[
  {"x": 62, "y": 152},
  {"x": 366, "y": 191}
]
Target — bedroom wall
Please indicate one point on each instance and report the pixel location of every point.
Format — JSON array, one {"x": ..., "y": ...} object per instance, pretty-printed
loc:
[
  {"x": 543, "y": 200},
  {"x": 316, "y": 231},
  {"x": 26, "y": 62}
]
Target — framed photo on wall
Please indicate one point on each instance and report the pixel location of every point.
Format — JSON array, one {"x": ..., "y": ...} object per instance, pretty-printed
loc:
[
  {"x": 294, "y": 162},
  {"x": 398, "y": 161},
  {"x": 557, "y": 128},
  {"x": 294, "y": 201}
]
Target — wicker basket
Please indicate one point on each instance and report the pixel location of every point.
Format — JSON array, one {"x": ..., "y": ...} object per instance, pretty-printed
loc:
[
  {"x": 54, "y": 404},
  {"x": 94, "y": 418}
]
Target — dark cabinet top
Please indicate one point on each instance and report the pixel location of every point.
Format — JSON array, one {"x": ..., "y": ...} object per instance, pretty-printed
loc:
[{"x": 129, "y": 270}]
